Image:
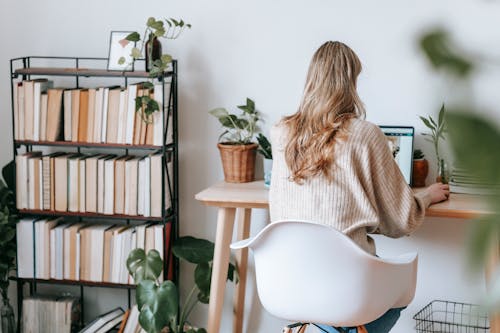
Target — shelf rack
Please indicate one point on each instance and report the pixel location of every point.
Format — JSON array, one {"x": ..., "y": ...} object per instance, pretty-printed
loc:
[{"x": 24, "y": 68}]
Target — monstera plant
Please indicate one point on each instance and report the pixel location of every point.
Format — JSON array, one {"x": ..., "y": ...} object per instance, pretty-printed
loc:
[{"x": 159, "y": 302}]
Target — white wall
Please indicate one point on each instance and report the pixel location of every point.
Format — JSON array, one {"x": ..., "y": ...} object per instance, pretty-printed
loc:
[{"x": 261, "y": 49}]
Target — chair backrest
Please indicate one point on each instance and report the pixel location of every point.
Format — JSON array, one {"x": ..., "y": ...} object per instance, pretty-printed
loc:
[{"x": 310, "y": 272}]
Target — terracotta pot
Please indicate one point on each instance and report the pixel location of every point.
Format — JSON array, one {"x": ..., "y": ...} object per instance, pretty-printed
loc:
[
  {"x": 238, "y": 162},
  {"x": 420, "y": 171}
]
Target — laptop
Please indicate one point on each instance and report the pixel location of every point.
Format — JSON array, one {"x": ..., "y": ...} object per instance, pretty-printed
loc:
[{"x": 400, "y": 141}]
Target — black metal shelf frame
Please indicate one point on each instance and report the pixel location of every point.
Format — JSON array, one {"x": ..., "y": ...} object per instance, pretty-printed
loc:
[{"x": 23, "y": 68}]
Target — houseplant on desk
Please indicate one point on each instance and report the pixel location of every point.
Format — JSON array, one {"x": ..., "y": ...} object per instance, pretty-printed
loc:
[
  {"x": 437, "y": 128},
  {"x": 266, "y": 152},
  {"x": 420, "y": 169},
  {"x": 236, "y": 145}
]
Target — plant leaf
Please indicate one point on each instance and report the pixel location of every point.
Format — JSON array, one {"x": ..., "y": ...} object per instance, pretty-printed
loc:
[
  {"x": 133, "y": 37},
  {"x": 202, "y": 278},
  {"x": 474, "y": 141},
  {"x": 427, "y": 123},
  {"x": 219, "y": 112},
  {"x": 136, "y": 53},
  {"x": 193, "y": 250},
  {"x": 144, "y": 267},
  {"x": 158, "y": 305}
]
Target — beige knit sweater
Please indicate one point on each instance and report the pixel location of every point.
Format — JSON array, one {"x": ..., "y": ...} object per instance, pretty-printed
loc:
[{"x": 368, "y": 193}]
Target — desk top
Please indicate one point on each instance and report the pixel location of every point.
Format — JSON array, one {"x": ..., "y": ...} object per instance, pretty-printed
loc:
[{"x": 256, "y": 195}]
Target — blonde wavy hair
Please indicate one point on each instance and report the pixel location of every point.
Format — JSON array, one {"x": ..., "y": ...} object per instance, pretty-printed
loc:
[{"x": 329, "y": 101}]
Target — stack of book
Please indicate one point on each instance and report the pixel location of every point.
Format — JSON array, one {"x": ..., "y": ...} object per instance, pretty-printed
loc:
[
  {"x": 100, "y": 183},
  {"x": 94, "y": 115},
  {"x": 82, "y": 251},
  {"x": 131, "y": 323},
  {"x": 50, "y": 314},
  {"x": 462, "y": 181},
  {"x": 105, "y": 322}
]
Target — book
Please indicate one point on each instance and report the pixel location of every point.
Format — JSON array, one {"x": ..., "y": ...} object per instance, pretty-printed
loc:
[
  {"x": 162, "y": 97},
  {"x": 98, "y": 114},
  {"x": 42, "y": 247},
  {"x": 19, "y": 102},
  {"x": 82, "y": 195},
  {"x": 23, "y": 179},
  {"x": 109, "y": 185},
  {"x": 107, "y": 252},
  {"x": 70, "y": 255},
  {"x": 105, "y": 106},
  {"x": 34, "y": 167},
  {"x": 57, "y": 251},
  {"x": 54, "y": 115},
  {"x": 50, "y": 314},
  {"x": 124, "y": 321},
  {"x": 25, "y": 248},
  {"x": 39, "y": 86},
  {"x": 131, "y": 185},
  {"x": 28, "y": 109},
  {"x": 102, "y": 322},
  {"x": 132, "y": 324},
  {"x": 113, "y": 115},
  {"x": 91, "y": 114},
  {"x": 119, "y": 182},
  {"x": 73, "y": 190},
  {"x": 122, "y": 116},
  {"x": 129, "y": 130},
  {"x": 44, "y": 99},
  {"x": 91, "y": 183},
  {"x": 75, "y": 114},
  {"x": 61, "y": 182},
  {"x": 67, "y": 114},
  {"x": 83, "y": 116},
  {"x": 156, "y": 186},
  {"x": 15, "y": 91}
]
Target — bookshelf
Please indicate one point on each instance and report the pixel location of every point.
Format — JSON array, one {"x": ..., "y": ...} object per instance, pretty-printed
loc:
[{"x": 81, "y": 72}]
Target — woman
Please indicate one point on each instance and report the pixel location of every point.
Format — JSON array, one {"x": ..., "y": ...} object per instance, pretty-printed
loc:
[{"x": 333, "y": 167}]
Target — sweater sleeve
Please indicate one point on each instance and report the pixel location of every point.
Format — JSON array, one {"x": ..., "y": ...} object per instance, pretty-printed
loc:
[{"x": 400, "y": 210}]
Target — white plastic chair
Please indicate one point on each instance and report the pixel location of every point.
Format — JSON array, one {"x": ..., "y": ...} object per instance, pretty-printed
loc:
[{"x": 312, "y": 273}]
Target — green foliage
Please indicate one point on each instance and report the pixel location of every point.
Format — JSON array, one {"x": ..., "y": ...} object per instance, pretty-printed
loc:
[
  {"x": 418, "y": 154},
  {"x": 8, "y": 219},
  {"x": 264, "y": 146},
  {"x": 159, "y": 303},
  {"x": 474, "y": 140},
  {"x": 437, "y": 131},
  {"x": 168, "y": 29},
  {"x": 443, "y": 54},
  {"x": 240, "y": 129}
]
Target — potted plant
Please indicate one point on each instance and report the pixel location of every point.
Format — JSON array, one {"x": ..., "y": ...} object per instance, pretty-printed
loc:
[
  {"x": 437, "y": 133},
  {"x": 159, "y": 303},
  {"x": 420, "y": 168},
  {"x": 236, "y": 145},
  {"x": 155, "y": 62},
  {"x": 8, "y": 219},
  {"x": 266, "y": 152}
]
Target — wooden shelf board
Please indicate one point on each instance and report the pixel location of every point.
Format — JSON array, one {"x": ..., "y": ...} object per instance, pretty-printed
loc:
[
  {"x": 75, "y": 283},
  {"x": 58, "y": 71},
  {"x": 85, "y": 144},
  {"x": 93, "y": 215}
]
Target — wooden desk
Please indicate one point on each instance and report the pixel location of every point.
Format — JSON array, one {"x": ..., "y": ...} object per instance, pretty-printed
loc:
[{"x": 237, "y": 200}]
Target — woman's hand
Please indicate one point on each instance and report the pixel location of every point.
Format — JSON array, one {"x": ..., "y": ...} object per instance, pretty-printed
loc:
[{"x": 438, "y": 192}]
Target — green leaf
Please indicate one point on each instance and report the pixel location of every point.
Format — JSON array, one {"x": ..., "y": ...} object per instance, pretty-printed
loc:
[
  {"x": 427, "y": 123},
  {"x": 202, "y": 278},
  {"x": 231, "y": 121},
  {"x": 219, "y": 113},
  {"x": 150, "y": 21},
  {"x": 433, "y": 122},
  {"x": 136, "y": 53},
  {"x": 148, "y": 85},
  {"x": 201, "y": 330},
  {"x": 481, "y": 239},
  {"x": 443, "y": 54},
  {"x": 9, "y": 175},
  {"x": 160, "y": 32},
  {"x": 133, "y": 37},
  {"x": 193, "y": 250},
  {"x": 144, "y": 267},
  {"x": 166, "y": 58},
  {"x": 175, "y": 22},
  {"x": 441, "y": 116},
  {"x": 474, "y": 141},
  {"x": 121, "y": 60},
  {"x": 158, "y": 305}
]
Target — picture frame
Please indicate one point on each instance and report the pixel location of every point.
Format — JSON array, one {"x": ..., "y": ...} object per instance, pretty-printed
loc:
[{"x": 120, "y": 47}]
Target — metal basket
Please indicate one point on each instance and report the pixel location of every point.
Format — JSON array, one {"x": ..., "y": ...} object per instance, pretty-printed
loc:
[{"x": 451, "y": 317}]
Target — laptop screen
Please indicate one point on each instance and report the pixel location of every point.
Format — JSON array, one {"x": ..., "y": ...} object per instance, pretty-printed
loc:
[{"x": 400, "y": 141}]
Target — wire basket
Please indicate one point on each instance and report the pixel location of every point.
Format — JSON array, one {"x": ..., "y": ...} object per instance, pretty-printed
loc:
[{"x": 451, "y": 317}]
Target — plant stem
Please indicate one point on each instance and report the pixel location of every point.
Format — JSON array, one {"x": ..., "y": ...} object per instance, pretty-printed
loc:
[{"x": 185, "y": 312}]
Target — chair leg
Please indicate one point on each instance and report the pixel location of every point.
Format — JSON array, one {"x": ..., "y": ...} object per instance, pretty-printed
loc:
[{"x": 290, "y": 328}]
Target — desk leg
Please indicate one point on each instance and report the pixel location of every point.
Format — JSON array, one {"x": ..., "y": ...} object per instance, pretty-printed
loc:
[
  {"x": 224, "y": 234},
  {"x": 492, "y": 264},
  {"x": 243, "y": 219}
]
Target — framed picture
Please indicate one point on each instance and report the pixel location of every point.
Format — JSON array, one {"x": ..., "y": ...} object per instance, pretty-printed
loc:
[{"x": 120, "y": 52}]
